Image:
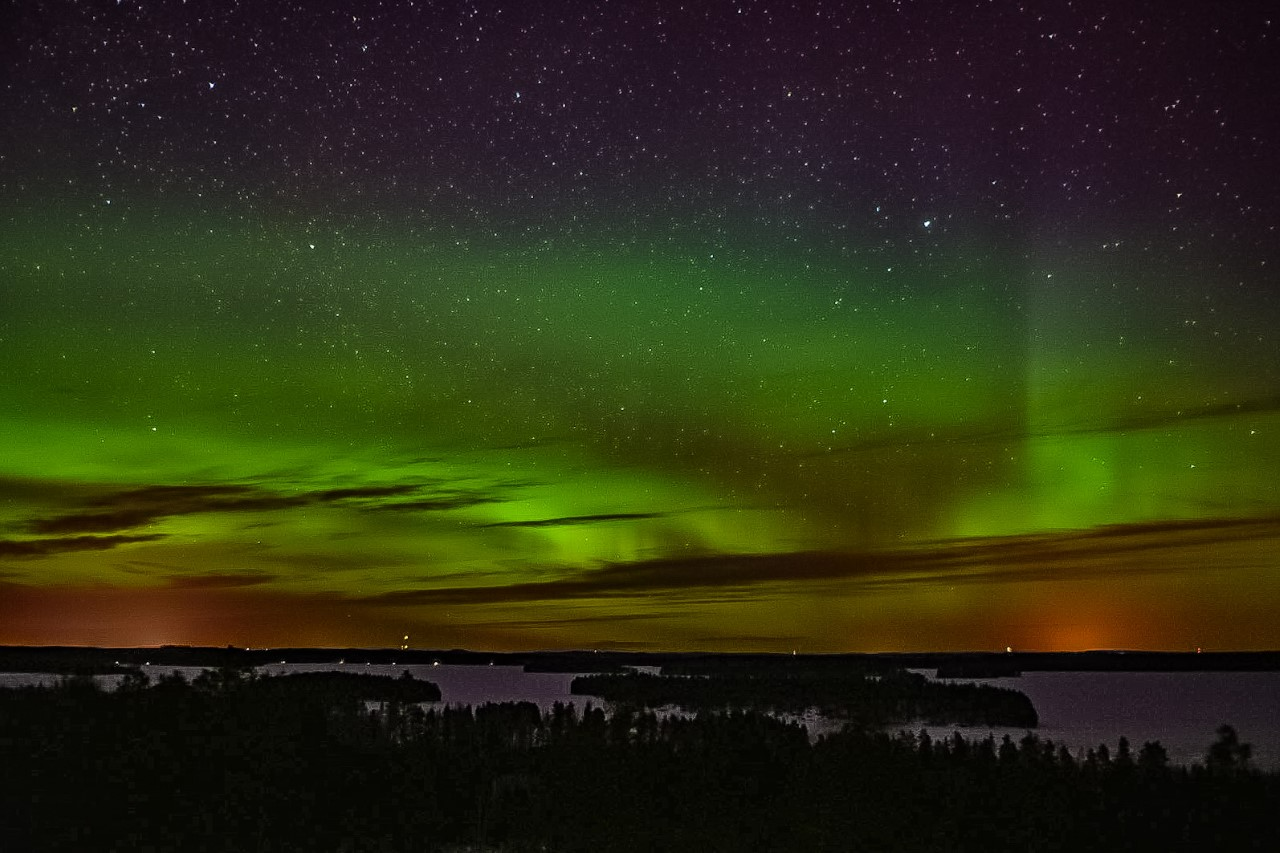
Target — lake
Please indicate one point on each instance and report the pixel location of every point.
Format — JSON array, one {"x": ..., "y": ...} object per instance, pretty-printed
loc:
[{"x": 1182, "y": 710}]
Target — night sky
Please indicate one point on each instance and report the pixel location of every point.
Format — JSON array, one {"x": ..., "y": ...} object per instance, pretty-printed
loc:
[{"x": 718, "y": 325}]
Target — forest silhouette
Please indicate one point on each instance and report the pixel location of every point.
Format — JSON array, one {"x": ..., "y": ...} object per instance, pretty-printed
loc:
[{"x": 337, "y": 762}]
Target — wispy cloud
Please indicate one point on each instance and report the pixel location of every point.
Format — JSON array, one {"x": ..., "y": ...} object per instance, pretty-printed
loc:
[
  {"x": 127, "y": 509},
  {"x": 664, "y": 575},
  {"x": 586, "y": 619},
  {"x": 439, "y": 502},
  {"x": 771, "y": 641},
  {"x": 1015, "y": 430},
  {"x": 131, "y": 508},
  {"x": 47, "y": 547},
  {"x": 364, "y": 492},
  {"x": 1119, "y": 551},
  {"x": 566, "y": 520},
  {"x": 1257, "y": 406},
  {"x": 218, "y": 580}
]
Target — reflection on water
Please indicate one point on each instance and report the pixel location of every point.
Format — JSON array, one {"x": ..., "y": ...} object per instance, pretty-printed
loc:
[{"x": 1182, "y": 710}]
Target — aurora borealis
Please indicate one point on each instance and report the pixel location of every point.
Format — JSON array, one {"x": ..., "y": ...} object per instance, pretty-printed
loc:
[{"x": 729, "y": 326}]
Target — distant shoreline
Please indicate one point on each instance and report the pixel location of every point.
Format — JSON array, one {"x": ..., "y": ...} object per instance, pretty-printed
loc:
[{"x": 68, "y": 659}]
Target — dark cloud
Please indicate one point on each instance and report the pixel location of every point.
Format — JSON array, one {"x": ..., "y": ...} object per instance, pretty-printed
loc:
[
  {"x": 1060, "y": 552},
  {"x": 33, "y": 548},
  {"x": 664, "y": 575},
  {"x": 578, "y": 519},
  {"x": 94, "y": 522},
  {"x": 129, "y": 509},
  {"x": 356, "y": 492},
  {"x": 164, "y": 494},
  {"x": 771, "y": 641},
  {"x": 439, "y": 502},
  {"x": 588, "y": 619},
  {"x": 1105, "y": 551},
  {"x": 1259, "y": 406},
  {"x": 147, "y": 568},
  {"x": 218, "y": 580},
  {"x": 1017, "y": 431},
  {"x": 1117, "y": 551},
  {"x": 626, "y": 645}
]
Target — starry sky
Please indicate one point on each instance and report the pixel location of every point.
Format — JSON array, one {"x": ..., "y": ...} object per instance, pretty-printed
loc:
[{"x": 640, "y": 325}]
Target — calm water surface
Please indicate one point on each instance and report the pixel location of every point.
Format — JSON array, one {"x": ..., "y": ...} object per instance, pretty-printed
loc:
[
  {"x": 1182, "y": 710},
  {"x": 467, "y": 685}
]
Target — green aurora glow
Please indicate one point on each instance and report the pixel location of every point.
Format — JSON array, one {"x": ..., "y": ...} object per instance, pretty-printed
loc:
[
  {"x": 390, "y": 415},
  {"x": 894, "y": 326}
]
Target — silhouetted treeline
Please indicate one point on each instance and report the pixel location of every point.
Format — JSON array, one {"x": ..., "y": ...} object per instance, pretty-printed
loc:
[
  {"x": 72, "y": 659},
  {"x": 236, "y": 763},
  {"x": 868, "y": 699}
]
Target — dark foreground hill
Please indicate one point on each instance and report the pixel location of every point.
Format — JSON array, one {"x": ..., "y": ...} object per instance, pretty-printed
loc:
[{"x": 232, "y": 763}]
